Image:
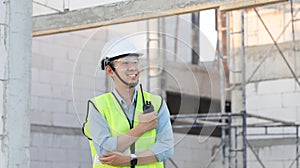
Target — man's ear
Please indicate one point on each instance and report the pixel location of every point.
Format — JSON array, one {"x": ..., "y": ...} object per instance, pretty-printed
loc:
[{"x": 109, "y": 71}]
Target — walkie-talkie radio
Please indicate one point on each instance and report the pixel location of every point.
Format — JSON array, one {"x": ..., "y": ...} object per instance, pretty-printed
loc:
[{"x": 147, "y": 106}]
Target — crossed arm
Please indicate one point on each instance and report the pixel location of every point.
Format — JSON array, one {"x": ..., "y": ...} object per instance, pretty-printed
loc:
[
  {"x": 110, "y": 149},
  {"x": 147, "y": 122}
]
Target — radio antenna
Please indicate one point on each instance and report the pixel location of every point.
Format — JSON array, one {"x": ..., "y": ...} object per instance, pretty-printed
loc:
[{"x": 142, "y": 94}]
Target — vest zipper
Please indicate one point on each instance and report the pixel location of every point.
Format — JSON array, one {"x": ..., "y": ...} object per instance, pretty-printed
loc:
[{"x": 131, "y": 124}]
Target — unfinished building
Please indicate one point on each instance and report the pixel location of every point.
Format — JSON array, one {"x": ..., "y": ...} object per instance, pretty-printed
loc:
[{"x": 233, "y": 90}]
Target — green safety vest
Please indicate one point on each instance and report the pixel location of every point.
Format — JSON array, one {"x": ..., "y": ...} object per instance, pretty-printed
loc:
[{"x": 110, "y": 108}]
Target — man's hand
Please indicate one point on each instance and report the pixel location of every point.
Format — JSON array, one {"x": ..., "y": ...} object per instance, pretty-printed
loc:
[
  {"x": 148, "y": 121},
  {"x": 115, "y": 159}
]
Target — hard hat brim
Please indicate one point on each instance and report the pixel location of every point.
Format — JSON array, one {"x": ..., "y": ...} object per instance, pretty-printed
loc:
[{"x": 124, "y": 55}]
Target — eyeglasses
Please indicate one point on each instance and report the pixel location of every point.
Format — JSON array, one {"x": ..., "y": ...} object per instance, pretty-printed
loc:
[{"x": 127, "y": 62}]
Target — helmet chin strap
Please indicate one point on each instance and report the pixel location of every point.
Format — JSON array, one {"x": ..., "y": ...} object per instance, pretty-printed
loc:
[{"x": 130, "y": 85}]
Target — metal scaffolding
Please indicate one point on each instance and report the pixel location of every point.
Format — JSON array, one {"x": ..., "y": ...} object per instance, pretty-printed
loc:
[
  {"x": 232, "y": 137},
  {"x": 231, "y": 131}
]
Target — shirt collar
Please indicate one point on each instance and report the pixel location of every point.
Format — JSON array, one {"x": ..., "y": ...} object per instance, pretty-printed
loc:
[{"x": 121, "y": 100}]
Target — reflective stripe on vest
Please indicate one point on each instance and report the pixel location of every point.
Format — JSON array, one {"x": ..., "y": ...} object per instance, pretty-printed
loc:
[{"x": 111, "y": 110}]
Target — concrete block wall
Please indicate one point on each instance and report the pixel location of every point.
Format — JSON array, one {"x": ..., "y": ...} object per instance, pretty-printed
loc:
[
  {"x": 273, "y": 156},
  {"x": 277, "y": 99},
  {"x": 61, "y": 85},
  {"x": 194, "y": 151},
  {"x": 49, "y": 149},
  {"x": 255, "y": 32},
  {"x": 63, "y": 79}
]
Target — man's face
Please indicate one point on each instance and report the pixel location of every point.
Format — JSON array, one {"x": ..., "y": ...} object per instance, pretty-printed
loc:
[{"x": 127, "y": 68}]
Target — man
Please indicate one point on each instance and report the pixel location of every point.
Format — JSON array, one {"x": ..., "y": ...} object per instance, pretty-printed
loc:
[{"x": 119, "y": 131}]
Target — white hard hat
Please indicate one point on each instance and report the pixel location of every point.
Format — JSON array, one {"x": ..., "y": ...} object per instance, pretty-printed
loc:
[{"x": 117, "y": 48}]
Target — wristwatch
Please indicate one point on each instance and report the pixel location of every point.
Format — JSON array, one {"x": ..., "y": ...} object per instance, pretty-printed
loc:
[{"x": 133, "y": 160}]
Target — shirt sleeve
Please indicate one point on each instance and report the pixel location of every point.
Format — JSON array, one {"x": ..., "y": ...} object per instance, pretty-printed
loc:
[
  {"x": 102, "y": 139},
  {"x": 163, "y": 147}
]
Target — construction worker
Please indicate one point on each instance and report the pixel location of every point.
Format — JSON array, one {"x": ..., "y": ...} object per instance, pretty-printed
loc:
[{"x": 119, "y": 131}]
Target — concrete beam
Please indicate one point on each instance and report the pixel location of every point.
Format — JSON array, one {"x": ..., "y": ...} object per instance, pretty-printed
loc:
[
  {"x": 129, "y": 11},
  {"x": 261, "y": 143},
  {"x": 192, "y": 80},
  {"x": 273, "y": 67}
]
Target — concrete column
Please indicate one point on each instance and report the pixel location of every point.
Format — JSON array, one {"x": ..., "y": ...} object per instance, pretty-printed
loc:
[
  {"x": 15, "y": 82},
  {"x": 3, "y": 78},
  {"x": 155, "y": 58}
]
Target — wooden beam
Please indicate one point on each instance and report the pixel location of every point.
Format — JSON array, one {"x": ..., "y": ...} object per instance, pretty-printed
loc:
[
  {"x": 241, "y": 4},
  {"x": 124, "y": 12}
]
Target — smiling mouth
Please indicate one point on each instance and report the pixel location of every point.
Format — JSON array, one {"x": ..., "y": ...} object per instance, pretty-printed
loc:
[{"x": 133, "y": 75}]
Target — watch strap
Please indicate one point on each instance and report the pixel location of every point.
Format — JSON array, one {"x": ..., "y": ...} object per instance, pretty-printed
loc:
[{"x": 133, "y": 160}]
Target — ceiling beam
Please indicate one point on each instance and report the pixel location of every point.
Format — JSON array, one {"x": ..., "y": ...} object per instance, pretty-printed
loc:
[{"x": 128, "y": 11}]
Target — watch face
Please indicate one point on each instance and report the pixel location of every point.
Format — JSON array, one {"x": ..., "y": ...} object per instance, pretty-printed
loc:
[{"x": 133, "y": 161}]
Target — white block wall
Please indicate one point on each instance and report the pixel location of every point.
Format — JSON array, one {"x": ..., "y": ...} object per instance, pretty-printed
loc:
[
  {"x": 278, "y": 156},
  {"x": 61, "y": 85},
  {"x": 48, "y": 150},
  {"x": 191, "y": 151},
  {"x": 63, "y": 79},
  {"x": 278, "y": 99}
]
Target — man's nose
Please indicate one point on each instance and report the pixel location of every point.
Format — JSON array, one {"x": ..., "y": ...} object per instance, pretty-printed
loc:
[{"x": 132, "y": 65}]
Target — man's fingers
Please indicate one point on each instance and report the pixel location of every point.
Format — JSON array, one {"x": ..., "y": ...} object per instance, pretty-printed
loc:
[
  {"x": 106, "y": 159},
  {"x": 106, "y": 154},
  {"x": 103, "y": 160},
  {"x": 149, "y": 116}
]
